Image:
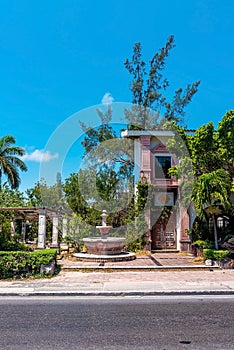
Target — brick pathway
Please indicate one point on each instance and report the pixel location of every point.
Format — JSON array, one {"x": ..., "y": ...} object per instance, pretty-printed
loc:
[{"x": 156, "y": 259}]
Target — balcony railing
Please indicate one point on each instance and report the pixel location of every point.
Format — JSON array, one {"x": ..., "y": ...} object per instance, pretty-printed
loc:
[{"x": 165, "y": 182}]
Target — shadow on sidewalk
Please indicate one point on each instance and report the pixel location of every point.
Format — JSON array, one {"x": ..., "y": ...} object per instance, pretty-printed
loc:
[{"x": 156, "y": 262}]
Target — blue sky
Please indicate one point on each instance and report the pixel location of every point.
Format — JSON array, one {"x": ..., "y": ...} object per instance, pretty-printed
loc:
[{"x": 60, "y": 57}]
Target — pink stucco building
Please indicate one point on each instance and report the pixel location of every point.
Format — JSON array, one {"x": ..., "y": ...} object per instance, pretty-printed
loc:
[{"x": 152, "y": 160}]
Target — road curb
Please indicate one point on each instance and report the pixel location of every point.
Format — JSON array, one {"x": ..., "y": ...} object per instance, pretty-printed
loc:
[
  {"x": 119, "y": 293},
  {"x": 137, "y": 268}
]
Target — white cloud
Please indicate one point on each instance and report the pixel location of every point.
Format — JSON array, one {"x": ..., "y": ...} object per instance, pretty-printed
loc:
[
  {"x": 39, "y": 156},
  {"x": 107, "y": 99}
]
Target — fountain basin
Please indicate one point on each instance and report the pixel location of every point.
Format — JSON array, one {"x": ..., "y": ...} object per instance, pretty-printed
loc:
[{"x": 104, "y": 246}]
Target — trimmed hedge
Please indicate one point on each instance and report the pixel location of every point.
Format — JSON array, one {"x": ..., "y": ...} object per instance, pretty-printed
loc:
[
  {"x": 214, "y": 254},
  {"x": 24, "y": 264}
]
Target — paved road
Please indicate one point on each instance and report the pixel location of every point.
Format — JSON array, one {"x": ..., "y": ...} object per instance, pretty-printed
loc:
[{"x": 193, "y": 323}]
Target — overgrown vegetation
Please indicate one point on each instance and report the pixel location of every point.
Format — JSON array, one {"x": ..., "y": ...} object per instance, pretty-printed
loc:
[
  {"x": 77, "y": 229},
  {"x": 205, "y": 171}
]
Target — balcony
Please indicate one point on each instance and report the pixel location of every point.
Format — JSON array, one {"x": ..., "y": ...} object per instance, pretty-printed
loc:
[{"x": 169, "y": 183}]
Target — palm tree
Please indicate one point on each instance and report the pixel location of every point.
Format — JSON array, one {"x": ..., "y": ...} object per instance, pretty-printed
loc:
[
  {"x": 9, "y": 161},
  {"x": 209, "y": 191}
]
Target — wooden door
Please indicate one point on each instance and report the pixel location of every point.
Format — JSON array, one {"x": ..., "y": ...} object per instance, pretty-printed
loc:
[{"x": 164, "y": 234}]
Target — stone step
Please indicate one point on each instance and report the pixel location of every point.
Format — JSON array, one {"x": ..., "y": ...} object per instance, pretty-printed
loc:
[{"x": 165, "y": 251}]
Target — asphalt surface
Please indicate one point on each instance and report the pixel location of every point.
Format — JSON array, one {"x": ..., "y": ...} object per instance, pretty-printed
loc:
[{"x": 163, "y": 323}]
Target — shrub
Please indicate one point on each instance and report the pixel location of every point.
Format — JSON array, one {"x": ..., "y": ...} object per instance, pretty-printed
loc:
[
  {"x": 24, "y": 264},
  {"x": 135, "y": 234},
  {"x": 137, "y": 245},
  {"x": 14, "y": 246},
  {"x": 214, "y": 254},
  {"x": 7, "y": 244},
  {"x": 77, "y": 229},
  {"x": 203, "y": 244}
]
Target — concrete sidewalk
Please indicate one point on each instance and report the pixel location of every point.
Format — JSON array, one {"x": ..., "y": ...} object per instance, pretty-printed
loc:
[{"x": 157, "y": 282}]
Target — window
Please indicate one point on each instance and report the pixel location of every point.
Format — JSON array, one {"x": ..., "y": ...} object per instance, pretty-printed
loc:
[{"x": 162, "y": 165}]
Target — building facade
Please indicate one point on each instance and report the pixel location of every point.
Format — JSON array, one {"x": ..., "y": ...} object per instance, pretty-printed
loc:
[{"x": 167, "y": 220}]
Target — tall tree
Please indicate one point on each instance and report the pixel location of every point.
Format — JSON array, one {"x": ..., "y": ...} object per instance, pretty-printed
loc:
[
  {"x": 73, "y": 194},
  {"x": 80, "y": 193},
  {"x": 51, "y": 197},
  {"x": 109, "y": 158},
  {"x": 226, "y": 142},
  {"x": 148, "y": 87},
  {"x": 95, "y": 136},
  {"x": 107, "y": 183},
  {"x": 10, "y": 163},
  {"x": 204, "y": 150},
  {"x": 102, "y": 146},
  {"x": 11, "y": 198}
]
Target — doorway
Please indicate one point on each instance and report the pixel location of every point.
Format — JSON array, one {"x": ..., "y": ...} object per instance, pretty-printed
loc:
[{"x": 163, "y": 234}]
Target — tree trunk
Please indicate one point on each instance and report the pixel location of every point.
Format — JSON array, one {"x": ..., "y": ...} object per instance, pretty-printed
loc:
[{"x": 215, "y": 232}]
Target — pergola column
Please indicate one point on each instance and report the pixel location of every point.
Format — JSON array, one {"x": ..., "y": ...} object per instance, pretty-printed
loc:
[
  {"x": 64, "y": 228},
  {"x": 23, "y": 231},
  {"x": 41, "y": 229},
  {"x": 54, "y": 243},
  {"x": 12, "y": 228}
]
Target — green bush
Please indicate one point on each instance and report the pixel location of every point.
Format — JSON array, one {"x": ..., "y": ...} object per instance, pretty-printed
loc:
[
  {"x": 203, "y": 244},
  {"x": 7, "y": 244},
  {"x": 77, "y": 229},
  {"x": 215, "y": 254},
  {"x": 14, "y": 246},
  {"x": 24, "y": 264},
  {"x": 137, "y": 245}
]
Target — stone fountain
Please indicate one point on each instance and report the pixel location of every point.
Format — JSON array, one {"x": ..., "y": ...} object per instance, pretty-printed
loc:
[{"x": 104, "y": 248}]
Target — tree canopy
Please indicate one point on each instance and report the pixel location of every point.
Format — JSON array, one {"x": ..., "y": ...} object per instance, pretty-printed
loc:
[{"x": 52, "y": 197}]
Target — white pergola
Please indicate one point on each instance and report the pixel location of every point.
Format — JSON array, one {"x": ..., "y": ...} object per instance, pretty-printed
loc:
[{"x": 41, "y": 214}]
